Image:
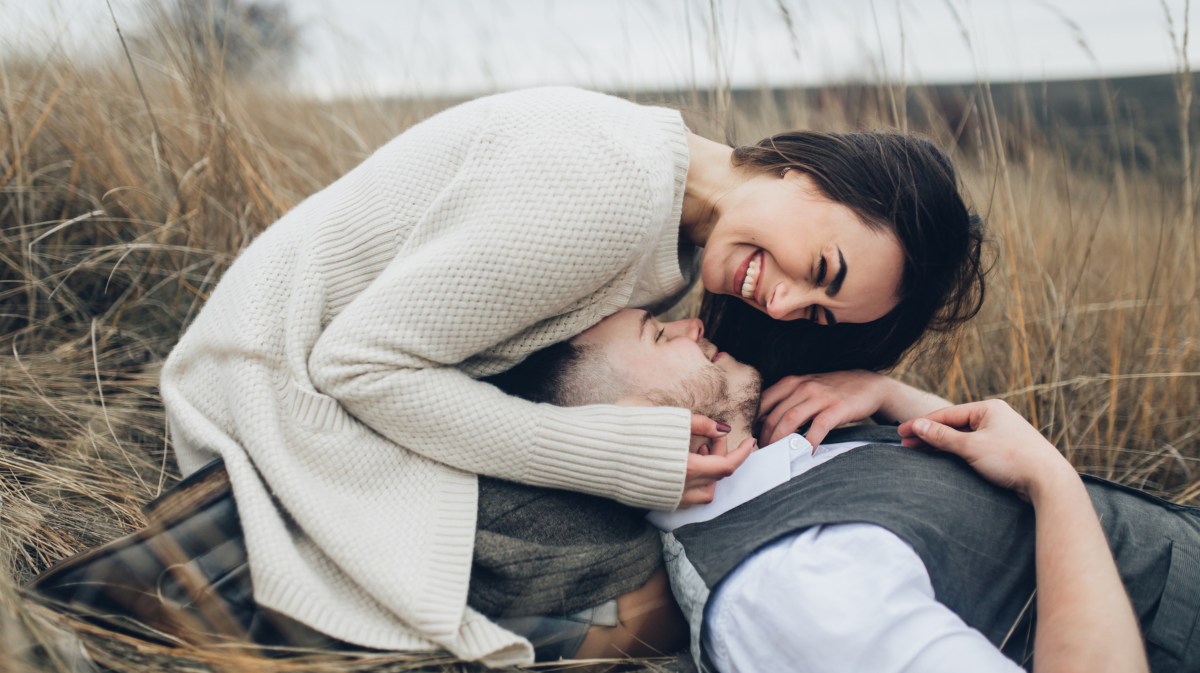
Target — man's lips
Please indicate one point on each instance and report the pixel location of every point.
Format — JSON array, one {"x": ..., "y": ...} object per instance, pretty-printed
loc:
[{"x": 711, "y": 351}]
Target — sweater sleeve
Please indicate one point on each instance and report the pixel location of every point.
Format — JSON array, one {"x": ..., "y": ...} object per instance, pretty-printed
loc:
[{"x": 528, "y": 237}]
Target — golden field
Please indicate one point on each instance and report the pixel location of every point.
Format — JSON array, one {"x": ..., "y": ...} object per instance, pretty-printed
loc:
[{"x": 122, "y": 202}]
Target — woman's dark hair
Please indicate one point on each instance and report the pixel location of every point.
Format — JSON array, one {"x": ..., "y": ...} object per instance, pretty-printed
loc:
[{"x": 896, "y": 182}]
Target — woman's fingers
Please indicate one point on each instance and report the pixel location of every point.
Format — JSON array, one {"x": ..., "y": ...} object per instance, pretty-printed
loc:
[
  {"x": 823, "y": 422},
  {"x": 704, "y": 471},
  {"x": 782, "y": 388},
  {"x": 825, "y": 400},
  {"x": 700, "y": 494},
  {"x": 787, "y": 417},
  {"x": 703, "y": 426}
]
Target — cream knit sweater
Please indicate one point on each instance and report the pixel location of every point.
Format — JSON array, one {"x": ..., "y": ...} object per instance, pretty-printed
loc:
[{"x": 334, "y": 366}]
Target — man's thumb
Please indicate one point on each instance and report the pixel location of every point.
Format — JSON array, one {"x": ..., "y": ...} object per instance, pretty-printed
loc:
[{"x": 937, "y": 435}]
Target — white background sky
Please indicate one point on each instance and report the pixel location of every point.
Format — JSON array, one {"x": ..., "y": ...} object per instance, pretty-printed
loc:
[{"x": 466, "y": 46}]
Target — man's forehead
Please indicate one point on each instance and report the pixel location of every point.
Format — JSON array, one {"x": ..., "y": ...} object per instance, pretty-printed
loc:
[{"x": 624, "y": 325}]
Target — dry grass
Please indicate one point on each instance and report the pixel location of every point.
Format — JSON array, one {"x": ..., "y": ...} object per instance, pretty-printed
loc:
[{"x": 119, "y": 213}]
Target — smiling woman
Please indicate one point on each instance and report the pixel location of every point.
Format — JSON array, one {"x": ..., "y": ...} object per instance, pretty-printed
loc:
[
  {"x": 792, "y": 245},
  {"x": 341, "y": 354},
  {"x": 866, "y": 228}
]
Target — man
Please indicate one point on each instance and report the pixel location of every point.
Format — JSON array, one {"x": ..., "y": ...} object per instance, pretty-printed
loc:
[
  {"x": 631, "y": 358},
  {"x": 869, "y": 556}
]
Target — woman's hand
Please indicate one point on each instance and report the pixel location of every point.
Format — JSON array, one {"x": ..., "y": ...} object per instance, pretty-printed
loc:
[
  {"x": 710, "y": 459},
  {"x": 994, "y": 440},
  {"x": 836, "y": 398}
]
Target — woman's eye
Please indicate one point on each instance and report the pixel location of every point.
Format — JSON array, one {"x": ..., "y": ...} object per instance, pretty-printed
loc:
[
  {"x": 821, "y": 269},
  {"x": 659, "y": 335}
]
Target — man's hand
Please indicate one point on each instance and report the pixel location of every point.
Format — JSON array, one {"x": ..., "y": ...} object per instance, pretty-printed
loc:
[
  {"x": 994, "y": 440},
  {"x": 1084, "y": 619}
]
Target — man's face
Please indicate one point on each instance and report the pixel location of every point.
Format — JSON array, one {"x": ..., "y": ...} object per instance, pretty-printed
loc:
[{"x": 671, "y": 363}]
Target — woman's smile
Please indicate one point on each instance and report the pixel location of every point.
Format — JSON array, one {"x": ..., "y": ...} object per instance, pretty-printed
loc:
[
  {"x": 785, "y": 248},
  {"x": 746, "y": 280}
]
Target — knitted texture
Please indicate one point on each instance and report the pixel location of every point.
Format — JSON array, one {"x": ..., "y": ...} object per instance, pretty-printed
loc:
[{"x": 334, "y": 365}]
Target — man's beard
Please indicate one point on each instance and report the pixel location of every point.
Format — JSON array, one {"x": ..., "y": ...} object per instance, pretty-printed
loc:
[{"x": 708, "y": 392}]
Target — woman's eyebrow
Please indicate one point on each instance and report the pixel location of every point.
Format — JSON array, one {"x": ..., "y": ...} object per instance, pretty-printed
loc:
[
  {"x": 642, "y": 325},
  {"x": 836, "y": 285}
]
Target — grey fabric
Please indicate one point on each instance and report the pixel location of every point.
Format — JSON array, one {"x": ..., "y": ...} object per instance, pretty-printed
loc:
[
  {"x": 977, "y": 542},
  {"x": 542, "y": 551}
]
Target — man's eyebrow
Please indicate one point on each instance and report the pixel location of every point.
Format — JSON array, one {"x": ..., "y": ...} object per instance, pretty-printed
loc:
[
  {"x": 836, "y": 285},
  {"x": 642, "y": 325}
]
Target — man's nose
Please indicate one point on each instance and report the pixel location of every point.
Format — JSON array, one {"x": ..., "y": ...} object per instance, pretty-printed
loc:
[{"x": 690, "y": 328}]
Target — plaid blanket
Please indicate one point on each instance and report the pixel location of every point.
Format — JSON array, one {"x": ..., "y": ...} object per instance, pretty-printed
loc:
[
  {"x": 187, "y": 576},
  {"x": 183, "y": 576}
]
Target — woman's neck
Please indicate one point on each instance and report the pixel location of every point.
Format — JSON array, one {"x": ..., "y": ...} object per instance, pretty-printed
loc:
[{"x": 711, "y": 176}]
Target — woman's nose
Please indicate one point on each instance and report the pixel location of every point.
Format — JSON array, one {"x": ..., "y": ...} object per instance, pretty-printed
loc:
[{"x": 789, "y": 303}]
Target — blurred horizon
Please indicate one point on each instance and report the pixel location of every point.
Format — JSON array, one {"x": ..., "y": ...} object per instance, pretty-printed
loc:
[{"x": 447, "y": 48}]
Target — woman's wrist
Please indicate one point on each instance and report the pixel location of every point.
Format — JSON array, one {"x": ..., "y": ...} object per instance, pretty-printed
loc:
[{"x": 901, "y": 402}]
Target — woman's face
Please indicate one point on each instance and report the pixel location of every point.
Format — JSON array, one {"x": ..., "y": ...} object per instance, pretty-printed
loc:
[{"x": 790, "y": 252}]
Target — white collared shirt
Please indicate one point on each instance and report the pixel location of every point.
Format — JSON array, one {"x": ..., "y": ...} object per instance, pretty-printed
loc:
[{"x": 845, "y": 597}]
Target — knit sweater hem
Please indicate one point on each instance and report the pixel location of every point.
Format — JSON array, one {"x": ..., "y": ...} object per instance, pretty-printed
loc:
[{"x": 477, "y": 639}]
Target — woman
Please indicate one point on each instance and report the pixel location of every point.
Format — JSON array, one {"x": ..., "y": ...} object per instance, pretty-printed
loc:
[{"x": 334, "y": 367}]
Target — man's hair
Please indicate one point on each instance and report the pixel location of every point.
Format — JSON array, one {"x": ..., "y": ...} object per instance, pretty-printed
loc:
[
  {"x": 896, "y": 182},
  {"x": 563, "y": 374}
]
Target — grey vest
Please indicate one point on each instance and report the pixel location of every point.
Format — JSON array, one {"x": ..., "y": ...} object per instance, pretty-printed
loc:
[{"x": 977, "y": 542}]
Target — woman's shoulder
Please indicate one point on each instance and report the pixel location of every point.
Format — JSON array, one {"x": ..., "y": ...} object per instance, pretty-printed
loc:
[
  {"x": 569, "y": 112},
  {"x": 557, "y": 100}
]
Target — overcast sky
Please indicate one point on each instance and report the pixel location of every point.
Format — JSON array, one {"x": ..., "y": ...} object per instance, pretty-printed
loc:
[{"x": 466, "y": 46}]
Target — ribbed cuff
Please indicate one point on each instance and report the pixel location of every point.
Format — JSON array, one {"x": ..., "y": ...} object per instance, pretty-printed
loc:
[{"x": 635, "y": 455}]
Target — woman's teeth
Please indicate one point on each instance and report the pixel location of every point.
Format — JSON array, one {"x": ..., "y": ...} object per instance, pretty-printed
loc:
[{"x": 751, "y": 276}]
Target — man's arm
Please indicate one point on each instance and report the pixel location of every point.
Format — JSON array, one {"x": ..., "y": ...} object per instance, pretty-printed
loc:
[{"x": 1085, "y": 621}]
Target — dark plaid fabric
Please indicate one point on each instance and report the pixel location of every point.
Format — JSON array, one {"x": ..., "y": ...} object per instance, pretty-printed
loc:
[{"x": 187, "y": 576}]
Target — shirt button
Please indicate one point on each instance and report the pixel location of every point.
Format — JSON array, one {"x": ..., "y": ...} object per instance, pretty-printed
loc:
[{"x": 797, "y": 444}]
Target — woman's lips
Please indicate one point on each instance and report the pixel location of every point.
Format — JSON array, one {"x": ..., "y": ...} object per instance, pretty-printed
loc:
[{"x": 739, "y": 278}]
